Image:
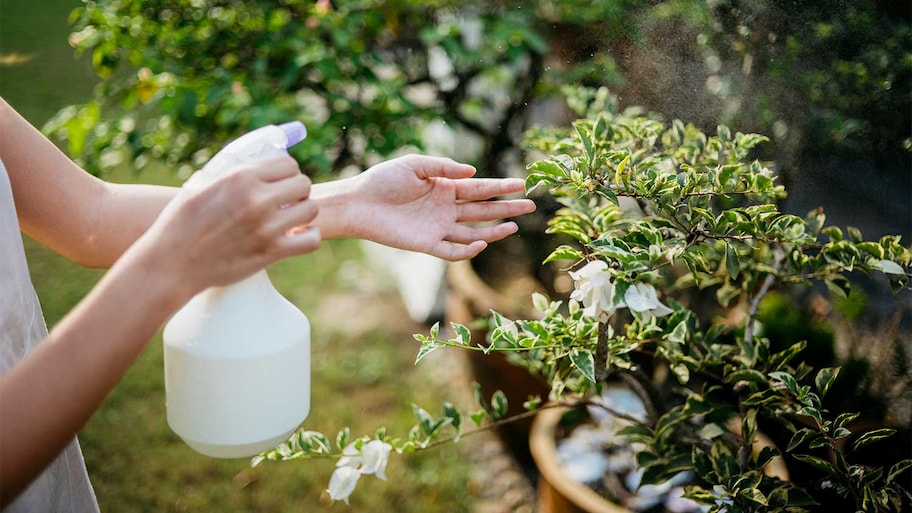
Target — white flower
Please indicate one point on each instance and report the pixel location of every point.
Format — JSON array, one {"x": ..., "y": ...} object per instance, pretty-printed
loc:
[
  {"x": 374, "y": 455},
  {"x": 642, "y": 298},
  {"x": 595, "y": 290},
  {"x": 371, "y": 459},
  {"x": 351, "y": 457},
  {"x": 343, "y": 482}
]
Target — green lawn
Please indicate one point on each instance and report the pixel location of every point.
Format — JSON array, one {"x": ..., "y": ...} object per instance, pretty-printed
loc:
[{"x": 363, "y": 375}]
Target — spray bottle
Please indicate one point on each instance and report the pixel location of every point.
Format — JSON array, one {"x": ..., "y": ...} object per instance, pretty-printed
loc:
[{"x": 237, "y": 358}]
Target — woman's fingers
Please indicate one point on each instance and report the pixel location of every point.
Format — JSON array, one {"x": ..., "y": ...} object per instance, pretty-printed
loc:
[
  {"x": 288, "y": 190},
  {"x": 476, "y": 189},
  {"x": 453, "y": 252},
  {"x": 482, "y": 211},
  {"x": 287, "y": 220},
  {"x": 274, "y": 169},
  {"x": 298, "y": 240},
  {"x": 463, "y": 234},
  {"x": 425, "y": 166}
]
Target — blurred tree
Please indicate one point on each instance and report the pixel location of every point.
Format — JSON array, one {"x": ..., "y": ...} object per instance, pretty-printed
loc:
[{"x": 181, "y": 77}]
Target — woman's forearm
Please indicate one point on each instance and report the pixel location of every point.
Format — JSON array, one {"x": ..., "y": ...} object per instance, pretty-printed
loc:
[{"x": 52, "y": 392}]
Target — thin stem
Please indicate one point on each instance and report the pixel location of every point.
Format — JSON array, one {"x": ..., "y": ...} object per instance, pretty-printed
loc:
[
  {"x": 640, "y": 383},
  {"x": 601, "y": 353},
  {"x": 493, "y": 349},
  {"x": 779, "y": 259},
  {"x": 496, "y": 424}
]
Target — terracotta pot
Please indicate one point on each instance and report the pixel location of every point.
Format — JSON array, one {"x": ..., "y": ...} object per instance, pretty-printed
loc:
[
  {"x": 469, "y": 298},
  {"x": 558, "y": 493}
]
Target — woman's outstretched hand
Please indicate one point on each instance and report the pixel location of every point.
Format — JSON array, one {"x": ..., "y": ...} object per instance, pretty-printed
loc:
[{"x": 426, "y": 204}]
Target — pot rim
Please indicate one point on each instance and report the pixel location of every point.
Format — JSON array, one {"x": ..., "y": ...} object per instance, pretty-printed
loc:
[{"x": 543, "y": 445}]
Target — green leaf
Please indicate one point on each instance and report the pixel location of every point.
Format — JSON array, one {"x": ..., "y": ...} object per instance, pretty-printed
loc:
[
  {"x": 765, "y": 455},
  {"x": 499, "y": 405},
  {"x": 681, "y": 372},
  {"x": 897, "y": 469},
  {"x": 564, "y": 252},
  {"x": 787, "y": 379},
  {"x": 817, "y": 463},
  {"x": 845, "y": 418},
  {"x": 838, "y": 285},
  {"x": 833, "y": 232},
  {"x": 710, "y": 431},
  {"x": 548, "y": 168},
  {"x": 532, "y": 404},
  {"x": 453, "y": 413},
  {"x": 825, "y": 378},
  {"x": 479, "y": 398},
  {"x": 749, "y": 424},
  {"x": 586, "y": 138},
  {"x": 754, "y": 495},
  {"x": 342, "y": 438},
  {"x": 425, "y": 350},
  {"x": 583, "y": 360},
  {"x": 800, "y": 437},
  {"x": 608, "y": 194},
  {"x": 321, "y": 442},
  {"x": 477, "y": 417},
  {"x": 533, "y": 180},
  {"x": 732, "y": 265},
  {"x": 726, "y": 293},
  {"x": 463, "y": 335},
  {"x": 871, "y": 437},
  {"x": 854, "y": 234},
  {"x": 748, "y": 352},
  {"x": 425, "y": 420},
  {"x": 751, "y": 376}
]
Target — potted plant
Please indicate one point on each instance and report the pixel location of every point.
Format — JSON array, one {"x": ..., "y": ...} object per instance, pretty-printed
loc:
[{"x": 676, "y": 240}]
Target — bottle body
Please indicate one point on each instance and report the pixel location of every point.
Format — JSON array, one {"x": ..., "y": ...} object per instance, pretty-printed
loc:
[{"x": 237, "y": 369}]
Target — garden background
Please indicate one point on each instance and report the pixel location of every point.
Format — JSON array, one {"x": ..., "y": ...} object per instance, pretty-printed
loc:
[{"x": 834, "y": 119}]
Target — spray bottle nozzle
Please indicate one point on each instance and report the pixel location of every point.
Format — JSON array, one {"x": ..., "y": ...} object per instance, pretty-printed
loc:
[{"x": 294, "y": 131}]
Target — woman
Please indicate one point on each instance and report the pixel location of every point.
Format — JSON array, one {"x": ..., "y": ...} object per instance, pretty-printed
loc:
[{"x": 163, "y": 245}]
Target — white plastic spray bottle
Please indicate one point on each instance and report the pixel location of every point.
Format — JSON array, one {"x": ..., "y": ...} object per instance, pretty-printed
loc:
[{"x": 237, "y": 358}]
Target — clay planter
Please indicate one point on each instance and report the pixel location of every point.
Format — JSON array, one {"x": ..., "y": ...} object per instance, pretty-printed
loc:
[
  {"x": 469, "y": 298},
  {"x": 558, "y": 493}
]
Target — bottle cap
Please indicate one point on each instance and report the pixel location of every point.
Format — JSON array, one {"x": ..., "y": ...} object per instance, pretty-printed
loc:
[{"x": 295, "y": 132}]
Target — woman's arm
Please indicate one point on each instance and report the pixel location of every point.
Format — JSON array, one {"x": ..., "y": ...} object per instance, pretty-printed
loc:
[
  {"x": 166, "y": 244},
  {"x": 214, "y": 236},
  {"x": 85, "y": 219}
]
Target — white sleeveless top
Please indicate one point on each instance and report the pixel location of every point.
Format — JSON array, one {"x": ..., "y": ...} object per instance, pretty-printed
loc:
[{"x": 64, "y": 486}]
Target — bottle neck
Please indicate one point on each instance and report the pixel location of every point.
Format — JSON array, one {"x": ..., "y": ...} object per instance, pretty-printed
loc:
[{"x": 256, "y": 286}]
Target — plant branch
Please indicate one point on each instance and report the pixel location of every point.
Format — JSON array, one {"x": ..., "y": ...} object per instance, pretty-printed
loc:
[
  {"x": 779, "y": 259},
  {"x": 496, "y": 424},
  {"x": 601, "y": 353}
]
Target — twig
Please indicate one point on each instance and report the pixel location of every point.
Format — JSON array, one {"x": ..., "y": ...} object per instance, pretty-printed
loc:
[
  {"x": 601, "y": 353},
  {"x": 779, "y": 259}
]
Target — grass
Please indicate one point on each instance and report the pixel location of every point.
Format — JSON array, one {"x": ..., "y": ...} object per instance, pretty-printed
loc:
[{"x": 363, "y": 375}]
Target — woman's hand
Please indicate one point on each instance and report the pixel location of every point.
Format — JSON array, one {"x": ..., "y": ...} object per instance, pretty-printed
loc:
[
  {"x": 235, "y": 226},
  {"x": 427, "y": 204}
]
